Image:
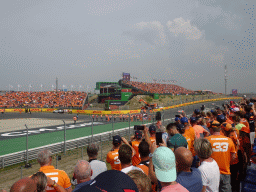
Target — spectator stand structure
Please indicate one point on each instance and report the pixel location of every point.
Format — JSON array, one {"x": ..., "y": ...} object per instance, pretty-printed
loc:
[{"x": 47, "y": 99}]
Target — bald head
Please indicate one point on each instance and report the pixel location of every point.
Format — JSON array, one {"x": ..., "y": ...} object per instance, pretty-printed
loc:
[
  {"x": 184, "y": 159},
  {"x": 82, "y": 171},
  {"x": 24, "y": 185}
]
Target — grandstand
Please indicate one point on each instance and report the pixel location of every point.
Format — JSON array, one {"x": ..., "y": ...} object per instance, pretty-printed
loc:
[
  {"x": 48, "y": 99},
  {"x": 151, "y": 88},
  {"x": 114, "y": 94}
]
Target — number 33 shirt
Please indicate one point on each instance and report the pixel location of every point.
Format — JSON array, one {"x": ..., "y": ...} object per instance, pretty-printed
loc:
[{"x": 222, "y": 147}]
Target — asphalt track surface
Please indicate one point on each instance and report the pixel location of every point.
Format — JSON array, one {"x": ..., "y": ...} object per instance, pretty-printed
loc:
[{"x": 15, "y": 141}]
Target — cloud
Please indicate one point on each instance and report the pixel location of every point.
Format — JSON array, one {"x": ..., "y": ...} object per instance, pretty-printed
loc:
[
  {"x": 151, "y": 32},
  {"x": 181, "y": 27},
  {"x": 229, "y": 21},
  {"x": 102, "y": 7}
]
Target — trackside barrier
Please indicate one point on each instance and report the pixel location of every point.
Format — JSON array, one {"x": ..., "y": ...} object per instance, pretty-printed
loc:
[{"x": 99, "y": 112}]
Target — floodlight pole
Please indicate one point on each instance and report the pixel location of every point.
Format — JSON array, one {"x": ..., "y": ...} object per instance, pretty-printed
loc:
[{"x": 225, "y": 78}]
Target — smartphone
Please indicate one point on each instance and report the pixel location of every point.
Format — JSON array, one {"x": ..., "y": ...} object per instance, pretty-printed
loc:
[
  {"x": 159, "y": 138},
  {"x": 138, "y": 127}
]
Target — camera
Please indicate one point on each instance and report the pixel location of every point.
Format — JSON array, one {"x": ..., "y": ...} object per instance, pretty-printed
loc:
[{"x": 138, "y": 127}]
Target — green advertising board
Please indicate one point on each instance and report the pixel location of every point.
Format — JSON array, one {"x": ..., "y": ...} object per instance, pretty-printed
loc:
[
  {"x": 156, "y": 96},
  {"x": 125, "y": 96}
]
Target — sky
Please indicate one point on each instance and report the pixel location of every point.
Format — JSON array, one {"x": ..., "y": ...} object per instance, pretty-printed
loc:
[{"x": 86, "y": 41}]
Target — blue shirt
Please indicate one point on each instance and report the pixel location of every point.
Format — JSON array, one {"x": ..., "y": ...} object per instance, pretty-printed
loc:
[
  {"x": 192, "y": 181},
  {"x": 80, "y": 185}
]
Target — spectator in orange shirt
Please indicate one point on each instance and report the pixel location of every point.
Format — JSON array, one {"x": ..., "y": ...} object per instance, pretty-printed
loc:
[
  {"x": 152, "y": 132},
  {"x": 125, "y": 155},
  {"x": 224, "y": 152},
  {"x": 199, "y": 130},
  {"x": 59, "y": 176},
  {"x": 135, "y": 144},
  {"x": 144, "y": 154},
  {"x": 243, "y": 120},
  {"x": 231, "y": 132},
  {"x": 189, "y": 134},
  {"x": 112, "y": 156},
  {"x": 244, "y": 152},
  {"x": 75, "y": 119}
]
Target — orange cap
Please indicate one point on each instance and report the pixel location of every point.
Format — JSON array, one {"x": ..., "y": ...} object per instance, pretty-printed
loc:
[
  {"x": 226, "y": 126},
  {"x": 245, "y": 129},
  {"x": 214, "y": 124}
]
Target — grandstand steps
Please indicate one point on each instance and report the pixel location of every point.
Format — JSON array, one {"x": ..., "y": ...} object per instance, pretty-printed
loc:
[
  {"x": 124, "y": 85},
  {"x": 134, "y": 102}
]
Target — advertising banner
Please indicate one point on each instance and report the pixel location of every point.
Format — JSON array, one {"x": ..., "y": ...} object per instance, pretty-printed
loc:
[{"x": 35, "y": 110}]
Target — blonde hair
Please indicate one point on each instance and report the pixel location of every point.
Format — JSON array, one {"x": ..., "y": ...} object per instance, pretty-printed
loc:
[
  {"x": 141, "y": 180},
  {"x": 203, "y": 148}
]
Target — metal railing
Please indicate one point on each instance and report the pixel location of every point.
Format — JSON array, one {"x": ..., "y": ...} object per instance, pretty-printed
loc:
[{"x": 31, "y": 154}]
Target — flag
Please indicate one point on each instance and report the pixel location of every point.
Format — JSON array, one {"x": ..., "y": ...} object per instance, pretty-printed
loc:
[
  {"x": 64, "y": 86},
  {"x": 41, "y": 85},
  {"x": 30, "y": 85},
  {"x": 80, "y": 86},
  {"x": 71, "y": 85},
  {"x": 52, "y": 86}
]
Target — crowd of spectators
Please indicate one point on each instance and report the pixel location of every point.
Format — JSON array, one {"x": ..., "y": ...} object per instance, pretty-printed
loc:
[
  {"x": 47, "y": 99},
  {"x": 213, "y": 151},
  {"x": 159, "y": 88}
]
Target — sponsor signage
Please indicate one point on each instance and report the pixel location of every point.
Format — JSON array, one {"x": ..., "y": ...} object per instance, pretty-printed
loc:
[
  {"x": 126, "y": 76},
  {"x": 234, "y": 91}
]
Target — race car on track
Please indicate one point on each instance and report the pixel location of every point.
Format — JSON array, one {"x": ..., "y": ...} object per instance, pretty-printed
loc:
[{"x": 58, "y": 111}]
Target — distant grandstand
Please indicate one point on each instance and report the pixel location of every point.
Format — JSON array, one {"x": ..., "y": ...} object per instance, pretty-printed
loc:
[
  {"x": 114, "y": 94},
  {"x": 47, "y": 99},
  {"x": 156, "y": 88}
]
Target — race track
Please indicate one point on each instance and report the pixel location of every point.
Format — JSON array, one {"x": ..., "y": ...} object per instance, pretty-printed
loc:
[{"x": 15, "y": 140}]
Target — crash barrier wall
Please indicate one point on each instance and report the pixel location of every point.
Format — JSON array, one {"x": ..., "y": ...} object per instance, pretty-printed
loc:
[{"x": 100, "y": 112}]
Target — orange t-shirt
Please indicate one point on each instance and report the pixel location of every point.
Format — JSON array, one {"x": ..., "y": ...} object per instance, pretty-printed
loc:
[
  {"x": 59, "y": 176},
  {"x": 229, "y": 121},
  {"x": 112, "y": 158},
  {"x": 222, "y": 148},
  {"x": 136, "y": 158},
  {"x": 233, "y": 135},
  {"x": 152, "y": 139},
  {"x": 190, "y": 134},
  {"x": 144, "y": 168},
  {"x": 199, "y": 130}
]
